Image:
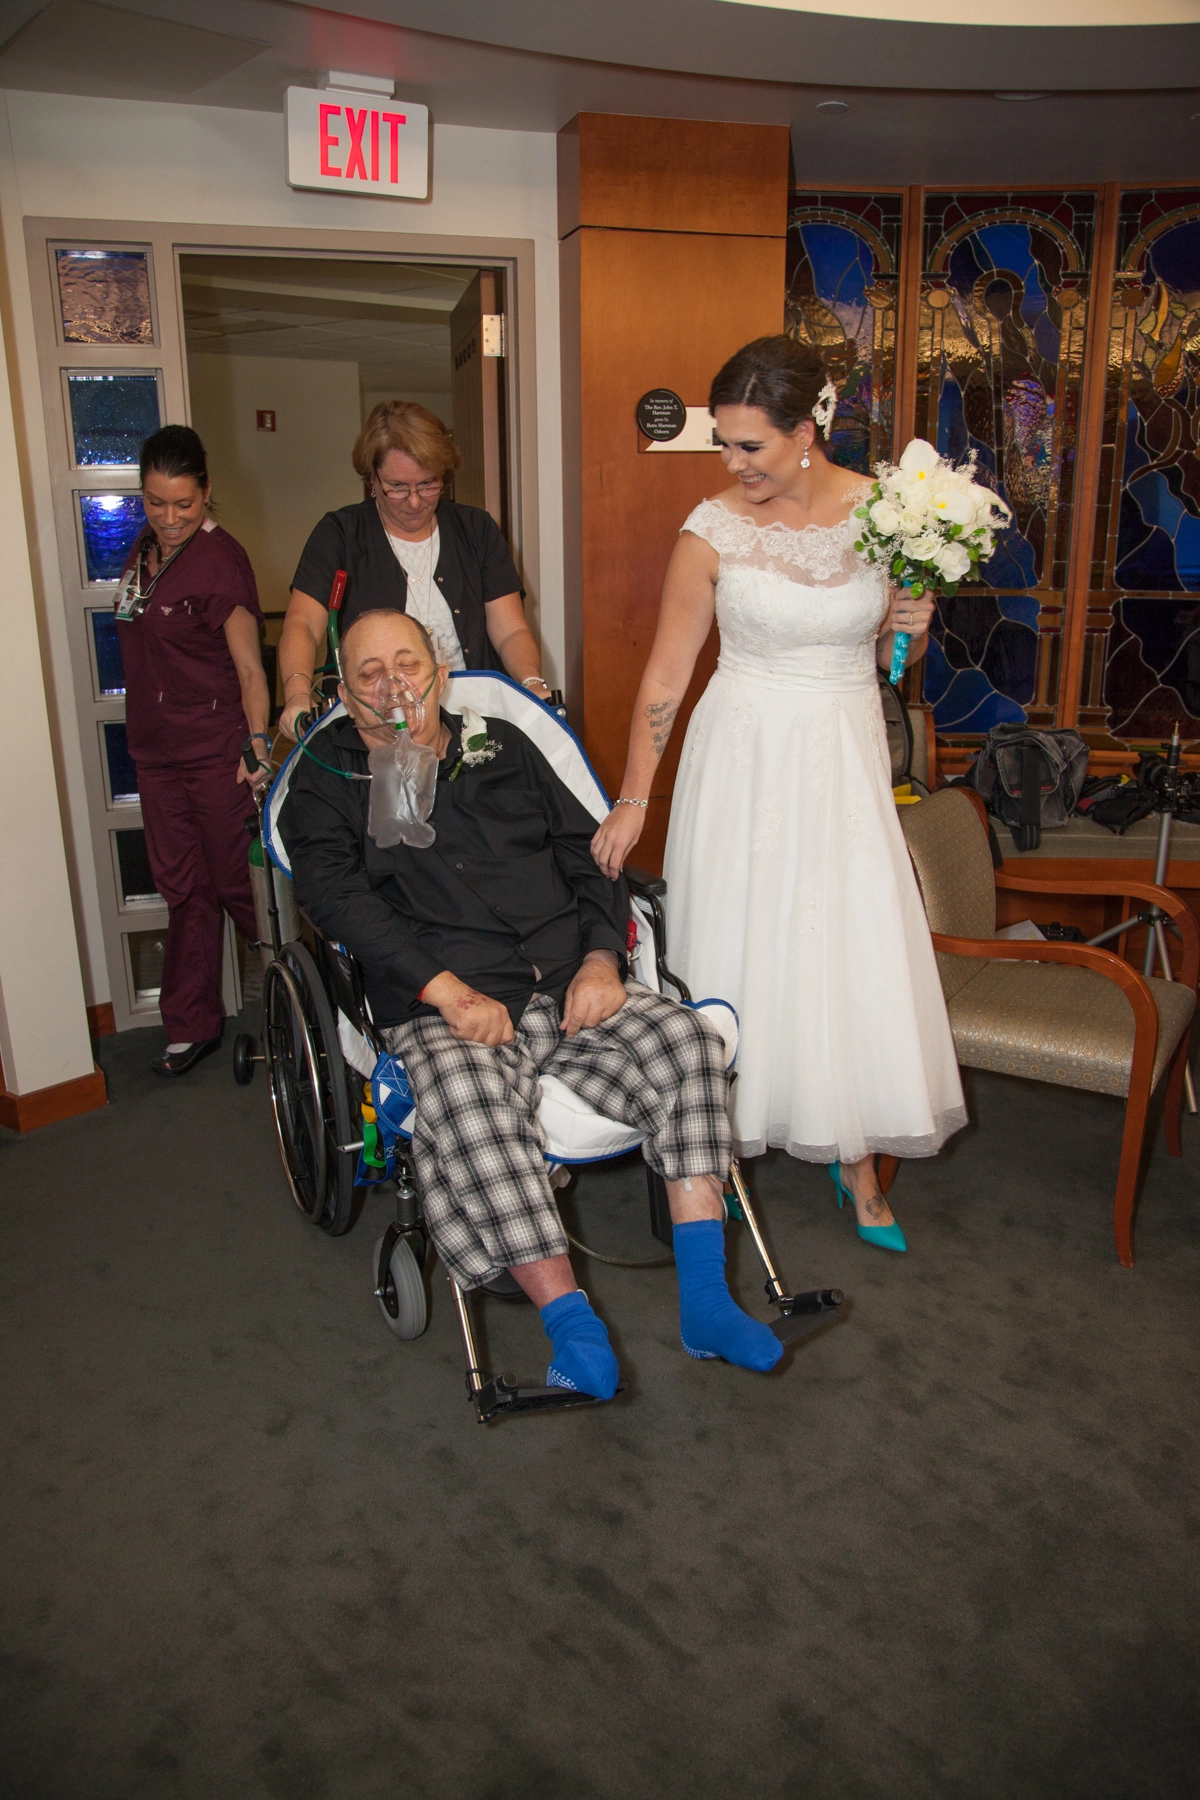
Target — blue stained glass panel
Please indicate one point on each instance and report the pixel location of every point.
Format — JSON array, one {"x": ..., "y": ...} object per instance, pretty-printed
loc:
[
  {"x": 1004, "y": 302},
  {"x": 110, "y": 665},
  {"x": 1146, "y": 564},
  {"x": 111, "y": 417},
  {"x": 122, "y": 770},
  {"x": 110, "y": 524},
  {"x": 841, "y": 298}
]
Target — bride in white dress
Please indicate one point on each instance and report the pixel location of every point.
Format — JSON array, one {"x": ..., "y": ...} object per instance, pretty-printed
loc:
[{"x": 789, "y": 889}]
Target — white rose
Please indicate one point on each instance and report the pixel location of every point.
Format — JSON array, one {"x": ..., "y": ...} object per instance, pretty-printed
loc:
[
  {"x": 952, "y": 562},
  {"x": 922, "y": 548},
  {"x": 885, "y": 518},
  {"x": 912, "y": 521},
  {"x": 919, "y": 460}
]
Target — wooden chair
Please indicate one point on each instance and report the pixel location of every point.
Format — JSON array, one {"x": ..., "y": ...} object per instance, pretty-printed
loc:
[{"x": 1064, "y": 1013}]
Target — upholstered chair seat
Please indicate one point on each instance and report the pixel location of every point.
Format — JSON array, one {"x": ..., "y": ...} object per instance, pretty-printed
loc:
[{"x": 1066, "y": 1013}]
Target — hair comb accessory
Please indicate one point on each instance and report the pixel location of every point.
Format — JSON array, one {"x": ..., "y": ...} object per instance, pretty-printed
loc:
[{"x": 824, "y": 408}]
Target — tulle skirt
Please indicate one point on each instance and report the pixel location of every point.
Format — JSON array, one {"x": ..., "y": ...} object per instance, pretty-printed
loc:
[{"x": 790, "y": 894}]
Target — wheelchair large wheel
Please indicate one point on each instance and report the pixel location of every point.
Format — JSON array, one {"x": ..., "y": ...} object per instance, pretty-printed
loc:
[
  {"x": 400, "y": 1288},
  {"x": 309, "y": 1095}
]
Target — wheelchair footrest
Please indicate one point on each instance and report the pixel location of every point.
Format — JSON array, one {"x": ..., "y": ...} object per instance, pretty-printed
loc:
[
  {"x": 503, "y": 1395},
  {"x": 803, "y": 1313}
]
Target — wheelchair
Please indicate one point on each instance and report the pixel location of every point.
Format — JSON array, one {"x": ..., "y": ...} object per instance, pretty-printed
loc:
[{"x": 343, "y": 1110}]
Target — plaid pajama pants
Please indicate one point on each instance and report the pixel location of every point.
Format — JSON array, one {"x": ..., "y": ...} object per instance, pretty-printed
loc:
[{"x": 477, "y": 1143}]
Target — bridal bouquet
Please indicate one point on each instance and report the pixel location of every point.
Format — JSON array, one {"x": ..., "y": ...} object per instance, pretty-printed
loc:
[{"x": 930, "y": 525}]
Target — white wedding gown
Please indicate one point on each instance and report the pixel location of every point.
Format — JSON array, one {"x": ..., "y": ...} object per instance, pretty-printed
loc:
[{"x": 789, "y": 889}]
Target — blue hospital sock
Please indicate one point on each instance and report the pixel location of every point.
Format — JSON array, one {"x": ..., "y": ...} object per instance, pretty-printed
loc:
[
  {"x": 583, "y": 1356},
  {"x": 711, "y": 1323}
]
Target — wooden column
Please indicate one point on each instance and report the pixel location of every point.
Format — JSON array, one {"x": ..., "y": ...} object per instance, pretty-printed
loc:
[{"x": 671, "y": 257}]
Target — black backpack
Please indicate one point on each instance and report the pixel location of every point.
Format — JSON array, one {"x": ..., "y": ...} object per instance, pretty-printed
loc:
[{"x": 1030, "y": 780}]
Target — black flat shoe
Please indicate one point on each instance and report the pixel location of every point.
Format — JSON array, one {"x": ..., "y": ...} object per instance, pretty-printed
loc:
[{"x": 183, "y": 1060}]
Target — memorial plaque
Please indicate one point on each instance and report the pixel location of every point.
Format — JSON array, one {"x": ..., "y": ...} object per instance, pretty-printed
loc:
[{"x": 661, "y": 415}]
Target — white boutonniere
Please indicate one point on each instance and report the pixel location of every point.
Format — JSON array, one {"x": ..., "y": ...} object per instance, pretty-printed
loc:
[{"x": 477, "y": 746}]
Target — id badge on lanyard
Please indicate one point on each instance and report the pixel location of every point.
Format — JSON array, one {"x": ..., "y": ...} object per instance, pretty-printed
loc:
[{"x": 129, "y": 601}]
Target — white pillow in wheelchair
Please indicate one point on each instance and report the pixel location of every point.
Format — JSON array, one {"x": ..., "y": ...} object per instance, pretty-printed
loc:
[{"x": 574, "y": 1131}]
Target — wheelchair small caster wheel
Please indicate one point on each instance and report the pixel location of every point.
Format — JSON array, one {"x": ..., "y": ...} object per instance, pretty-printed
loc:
[
  {"x": 400, "y": 1289},
  {"x": 243, "y": 1059}
]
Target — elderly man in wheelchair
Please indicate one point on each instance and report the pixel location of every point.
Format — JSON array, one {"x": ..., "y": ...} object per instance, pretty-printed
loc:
[{"x": 452, "y": 862}]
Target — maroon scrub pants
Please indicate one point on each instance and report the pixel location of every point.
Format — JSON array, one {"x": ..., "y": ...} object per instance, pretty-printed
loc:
[{"x": 194, "y": 816}]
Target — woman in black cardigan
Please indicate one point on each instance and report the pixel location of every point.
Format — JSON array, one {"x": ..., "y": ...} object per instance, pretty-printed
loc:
[{"x": 406, "y": 548}]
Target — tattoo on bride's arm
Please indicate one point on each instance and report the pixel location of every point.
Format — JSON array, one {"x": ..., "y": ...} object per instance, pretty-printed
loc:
[{"x": 660, "y": 715}]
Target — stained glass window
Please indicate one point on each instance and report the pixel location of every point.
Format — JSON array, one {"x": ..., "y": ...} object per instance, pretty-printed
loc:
[
  {"x": 1142, "y": 664},
  {"x": 842, "y": 259},
  {"x": 1003, "y": 315},
  {"x": 110, "y": 666},
  {"x": 133, "y": 864},
  {"x": 104, "y": 296},
  {"x": 110, "y": 523},
  {"x": 112, "y": 414},
  {"x": 120, "y": 766}
]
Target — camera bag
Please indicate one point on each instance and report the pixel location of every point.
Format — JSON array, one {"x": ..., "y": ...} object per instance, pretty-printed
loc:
[{"x": 1030, "y": 780}]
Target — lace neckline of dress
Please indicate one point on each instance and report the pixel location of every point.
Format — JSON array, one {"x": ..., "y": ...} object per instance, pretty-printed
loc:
[{"x": 791, "y": 531}]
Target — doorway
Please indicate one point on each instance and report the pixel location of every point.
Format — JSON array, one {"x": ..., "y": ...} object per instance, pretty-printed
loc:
[{"x": 287, "y": 355}]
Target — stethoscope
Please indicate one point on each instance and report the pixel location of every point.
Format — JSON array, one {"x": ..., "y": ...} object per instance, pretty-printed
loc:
[{"x": 132, "y": 598}]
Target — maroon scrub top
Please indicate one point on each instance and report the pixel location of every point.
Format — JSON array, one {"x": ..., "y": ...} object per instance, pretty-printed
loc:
[{"x": 183, "y": 700}]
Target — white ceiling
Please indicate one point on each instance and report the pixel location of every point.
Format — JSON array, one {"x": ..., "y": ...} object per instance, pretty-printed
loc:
[
  {"x": 1116, "y": 103},
  {"x": 391, "y": 318},
  {"x": 1074, "y": 13}
]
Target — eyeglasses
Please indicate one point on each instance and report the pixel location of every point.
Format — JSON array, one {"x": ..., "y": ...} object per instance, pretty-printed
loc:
[{"x": 424, "y": 490}]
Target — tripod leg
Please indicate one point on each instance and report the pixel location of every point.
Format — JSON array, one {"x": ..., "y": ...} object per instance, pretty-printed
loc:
[{"x": 1159, "y": 940}]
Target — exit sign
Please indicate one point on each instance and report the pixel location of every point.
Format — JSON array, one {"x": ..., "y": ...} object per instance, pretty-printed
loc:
[{"x": 357, "y": 143}]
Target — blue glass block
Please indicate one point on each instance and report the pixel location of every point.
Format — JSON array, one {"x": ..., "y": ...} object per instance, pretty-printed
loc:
[
  {"x": 110, "y": 665},
  {"x": 122, "y": 770},
  {"x": 111, "y": 417},
  {"x": 104, "y": 296},
  {"x": 133, "y": 861},
  {"x": 110, "y": 524}
]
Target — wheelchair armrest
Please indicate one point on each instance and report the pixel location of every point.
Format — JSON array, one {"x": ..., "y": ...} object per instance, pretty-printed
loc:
[{"x": 641, "y": 881}]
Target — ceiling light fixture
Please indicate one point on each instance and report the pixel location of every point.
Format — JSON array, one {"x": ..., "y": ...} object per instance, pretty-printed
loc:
[{"x": 833, "y": 106}]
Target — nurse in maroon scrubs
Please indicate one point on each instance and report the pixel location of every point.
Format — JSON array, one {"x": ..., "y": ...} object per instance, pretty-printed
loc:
[{"x": 194, "y": 692}]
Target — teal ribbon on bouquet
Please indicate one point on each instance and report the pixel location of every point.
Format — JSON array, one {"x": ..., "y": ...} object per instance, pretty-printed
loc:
[{"x": 900, "y": 644}]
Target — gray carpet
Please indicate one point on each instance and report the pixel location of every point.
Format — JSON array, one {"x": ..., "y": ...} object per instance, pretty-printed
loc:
[{"x": 254, "y": 1546}]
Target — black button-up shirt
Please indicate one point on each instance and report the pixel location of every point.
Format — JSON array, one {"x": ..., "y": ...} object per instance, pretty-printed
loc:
[
  {"x": 474, "y": 567},
  {"x": 507, "y": 898}
]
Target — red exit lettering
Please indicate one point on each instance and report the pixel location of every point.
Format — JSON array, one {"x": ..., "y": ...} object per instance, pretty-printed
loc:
[{"x": 360, "y": 124}]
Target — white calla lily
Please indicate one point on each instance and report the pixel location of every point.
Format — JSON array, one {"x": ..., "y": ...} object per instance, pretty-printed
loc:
[{"x": 919, "y": 460}]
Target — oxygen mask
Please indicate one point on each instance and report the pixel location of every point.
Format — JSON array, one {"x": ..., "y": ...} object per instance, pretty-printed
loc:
[{"x": 403, "y": 771}]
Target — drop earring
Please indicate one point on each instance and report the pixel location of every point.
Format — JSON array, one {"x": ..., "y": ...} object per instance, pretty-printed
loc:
[{"x": 804, "y": 460}]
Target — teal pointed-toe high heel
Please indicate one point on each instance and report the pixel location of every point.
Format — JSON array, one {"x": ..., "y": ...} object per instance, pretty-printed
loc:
[{"x": 884, "y": 1237}]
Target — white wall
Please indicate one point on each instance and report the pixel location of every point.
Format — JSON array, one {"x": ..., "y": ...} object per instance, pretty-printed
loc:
[
  {"x": 69, "y": 157},
  {"x": 441, "y": 405},
  {"x": 271, "y": 487}
]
